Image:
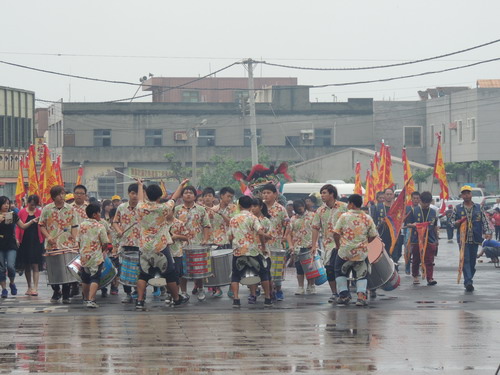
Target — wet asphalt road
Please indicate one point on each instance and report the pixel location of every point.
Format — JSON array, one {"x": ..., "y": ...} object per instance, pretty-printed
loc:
[{"x": 414, "y": 329}]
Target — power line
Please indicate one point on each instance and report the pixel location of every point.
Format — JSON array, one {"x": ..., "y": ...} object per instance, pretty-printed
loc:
[
  {"x": 384, "y": 66},
  {"x": 68, "y": 75}
]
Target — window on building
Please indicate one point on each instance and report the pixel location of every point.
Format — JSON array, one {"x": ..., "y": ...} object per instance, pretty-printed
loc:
[
  {"x": 154, "y": 137},
  {"x": 322, "y": 137},
  {"x": 460, "y": 130},
  {"x": 190, "y": 96},
  {"x": 206, "y": 137},
  {"x": 472, "y": 125},
  {"x": 247, "y": 137},
  {"x": 69, "y": 137},
  {"x": 432, "y": 136},
  {"x": 8, "y": 137},
  {"x": 2, "y": 129},
  {"x": 106, "y": 187},
  {"x": 16, "y": 132},
  {"x": 292, "y": 141},
  {"x": 413, "y": 136},
  {"x": 102, "y": 137}
]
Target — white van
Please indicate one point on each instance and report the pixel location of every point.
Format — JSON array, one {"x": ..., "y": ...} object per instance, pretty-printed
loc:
[{"x": 299, "y": 190}]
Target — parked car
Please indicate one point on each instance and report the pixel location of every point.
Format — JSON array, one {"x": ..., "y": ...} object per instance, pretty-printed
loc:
[{"x": 489, "y": 201}]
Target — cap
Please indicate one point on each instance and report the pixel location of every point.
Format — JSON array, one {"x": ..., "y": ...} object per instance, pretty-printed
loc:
[
  {"x": 450, "y": 206},
  {"x": 465, "y": 188},
  {"x": 69, "y": 197},
  {"x": 115, "y": 197},
  {"x": 289, "y": 202}
]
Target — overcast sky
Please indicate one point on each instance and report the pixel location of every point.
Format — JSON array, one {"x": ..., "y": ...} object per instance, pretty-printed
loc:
[{"x": 130, "y": 39}]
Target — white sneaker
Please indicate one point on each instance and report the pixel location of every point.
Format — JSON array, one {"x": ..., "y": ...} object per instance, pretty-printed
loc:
[
  {"x": 299, "y": 291},
  {"x": 92, "y": 305},
  {"x": 311, "y": 289},
  {"x": 201, "y": 294}
]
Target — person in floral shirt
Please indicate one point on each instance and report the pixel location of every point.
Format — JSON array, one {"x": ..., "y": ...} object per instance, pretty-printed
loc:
[
  {"x": 127, "y": 231},
  {"x": 353, "y": 231},
  {"x": 299, "y": 237},
  {"x": 93, "y": 240},
  {"x": 279, "y": 221},
  {"x": 155, "y": 241},
  {"x": 245, "y": 232},
  {"x": 324, "y": 221},
  {"x": 179, "y": 234},
  {"x": 223, "y": 213},
  {"x": 197, "y": 222},
  {"x": 79, "y": 205},
  {"x": 59, "y": 225}
]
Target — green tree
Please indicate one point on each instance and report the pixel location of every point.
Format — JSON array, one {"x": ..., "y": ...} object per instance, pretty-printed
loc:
[
  {"x": 422, "y": 175},
  {"x": 480, "y": 170},
  {"x": 177, "y": 171}
]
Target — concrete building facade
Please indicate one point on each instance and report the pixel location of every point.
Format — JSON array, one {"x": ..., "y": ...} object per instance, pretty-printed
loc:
[{"x": 17, "y": 118}]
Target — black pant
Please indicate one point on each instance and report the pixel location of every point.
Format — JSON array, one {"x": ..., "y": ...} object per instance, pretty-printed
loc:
[
  {"x": 497, "y": 232},
  {"x": 449, "y": 231},
  {"x": 66, "y": 288}
]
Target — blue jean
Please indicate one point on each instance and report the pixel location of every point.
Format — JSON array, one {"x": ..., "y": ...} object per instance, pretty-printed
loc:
[
  {"x": 469, "y": 268},
  {"x": 7, "y": 263}
]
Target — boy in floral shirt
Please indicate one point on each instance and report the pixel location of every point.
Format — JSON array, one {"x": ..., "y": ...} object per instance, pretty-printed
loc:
[
  {"x": 93, "y": 240},
  {"x": 245, "y": 233},
  {"x": 179, "y": 235},
  {"x": 299, "y": 237},
  {"x": 155, "y": 241},
  {"x": 279, "y": 221},
  {"x": 197, "y": 222},
  {"x": 352, "y": 233}
]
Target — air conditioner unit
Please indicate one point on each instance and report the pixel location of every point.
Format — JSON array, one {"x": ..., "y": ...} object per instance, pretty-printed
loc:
[
  {"x": 180, "y": 136},
  {"x": 307, "y": 134}
]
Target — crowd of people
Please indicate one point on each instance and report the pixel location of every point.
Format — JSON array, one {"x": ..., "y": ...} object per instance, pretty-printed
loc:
[{"x": 154, "y": 232}]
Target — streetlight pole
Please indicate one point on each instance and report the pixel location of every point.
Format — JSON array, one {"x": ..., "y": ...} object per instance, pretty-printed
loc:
[
  {"x": 194, "y": 144},
  {"x": 253, "y": 118}
]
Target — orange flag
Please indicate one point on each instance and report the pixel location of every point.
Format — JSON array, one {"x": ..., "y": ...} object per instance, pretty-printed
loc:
[
  {"x": 381, "y": 168},
  {"x": 375, "y": 174},
  {"x": 33, "y": 184},
  {"x": 20, "y": 190},
  {"x": 369, "y": 191},
  {"x": 357, "y": 184},
  {"x": 408, "y": 177},
  {"x": 388, "y": 179},
  {"x": 80, "y": 175},
  {"x": 440, "y": 172},
  {"x": 163, "y": 189},
  {"x": 49, "y": 176},
  {"x": 57, "y": 170}
]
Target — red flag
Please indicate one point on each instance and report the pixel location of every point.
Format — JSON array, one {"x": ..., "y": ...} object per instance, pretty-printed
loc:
[
  {"x": 440, "y": 172},
  {"x": 381, "y": 168},
  {"x": 375, "y": 173},
  {"x": 80, "y": 175},
  {"x": 388, "y": 179},
  {"x": 357, "y": 185},
  {"x": 20, "y": 190},
  {"x": 57, "y": 170},
  {"x": 395, "y": 217}
]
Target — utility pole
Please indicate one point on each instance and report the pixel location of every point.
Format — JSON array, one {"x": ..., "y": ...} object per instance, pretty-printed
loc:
[{"x": 253, "y": 118}]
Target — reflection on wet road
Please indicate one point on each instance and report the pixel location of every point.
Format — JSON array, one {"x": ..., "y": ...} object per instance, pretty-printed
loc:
[{"x": 350, "y": 341}]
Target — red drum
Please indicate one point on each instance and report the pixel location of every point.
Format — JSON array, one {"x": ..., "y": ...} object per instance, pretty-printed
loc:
[
  {"x": 383, "y": 273},
  {"x": 197, "y": 262}
]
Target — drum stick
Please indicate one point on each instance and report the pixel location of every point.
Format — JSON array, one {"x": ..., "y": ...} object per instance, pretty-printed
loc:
[
  {"x": 128, "y": 228},
  {"x": 123, "y": 174}
]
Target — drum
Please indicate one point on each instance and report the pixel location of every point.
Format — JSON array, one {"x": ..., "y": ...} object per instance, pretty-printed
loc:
[
  {"x": 108, "y": 272},
  {"x": 250, "y": 277},
  {"x": 382, "y": 267},
  {"x": 57, "y": 272},
  {"x": 313, "y": 267},
  {"x": 278, "y": 260},
  {"x": 129, "y": 268},
  {"x": 196, "y": 260},
  {"x": 393, "y": 282},
  {"x": 221, "y": 261}
]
